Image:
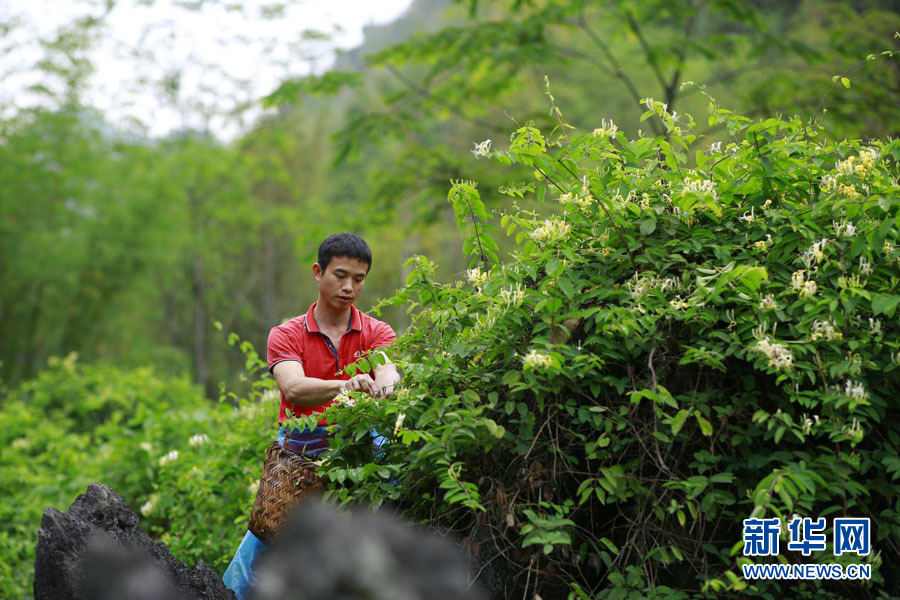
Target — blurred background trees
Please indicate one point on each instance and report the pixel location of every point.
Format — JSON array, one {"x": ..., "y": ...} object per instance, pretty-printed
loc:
[{"x": 127, "y": 248}]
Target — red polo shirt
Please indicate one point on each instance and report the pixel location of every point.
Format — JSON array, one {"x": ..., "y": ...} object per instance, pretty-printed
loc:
[{"x": 299, "y": 339}]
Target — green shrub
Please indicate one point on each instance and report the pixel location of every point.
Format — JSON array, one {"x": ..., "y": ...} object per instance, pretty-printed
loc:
[
  {"x": 74, "y": 424},
  {"x": 702, "y": 332}
]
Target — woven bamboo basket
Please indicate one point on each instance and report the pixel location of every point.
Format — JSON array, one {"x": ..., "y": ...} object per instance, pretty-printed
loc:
[{"x": 287, "y": 479}]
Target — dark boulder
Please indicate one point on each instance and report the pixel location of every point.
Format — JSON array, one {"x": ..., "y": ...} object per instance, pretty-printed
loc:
[{"x": 97, "y": 551}]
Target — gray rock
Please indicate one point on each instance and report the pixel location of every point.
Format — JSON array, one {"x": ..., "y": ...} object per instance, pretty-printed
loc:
[{"x": 97, "y": 551}]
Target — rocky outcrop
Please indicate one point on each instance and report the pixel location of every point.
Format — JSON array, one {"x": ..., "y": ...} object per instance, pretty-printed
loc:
[{"x": 97, "y": 551}]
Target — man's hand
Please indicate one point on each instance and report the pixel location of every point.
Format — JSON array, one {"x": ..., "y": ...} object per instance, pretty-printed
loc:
[{"x": 362, "y": 383}]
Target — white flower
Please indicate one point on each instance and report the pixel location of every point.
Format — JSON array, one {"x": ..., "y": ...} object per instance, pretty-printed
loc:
[
  {"x": 537, "y": 360},
  {"x": 815, "y": 254},
  {"x": 399, "y": 422},
  {"x": 253, "y": 488},
  {"x": 678, "y": 304},
  {"x": 482, "y": 148},
  {"x": 512, "y": 297},
  {"x": 344, "y": 399},
  {"x": 779, "y": 356},
  {"x": 170, "y": 457},
  {"x": 874, "y": 326},
  {"x": 826, "y": 330},
  {"x": 702, "y": 186},
  {"x": 808, "y": 423},
  {"x": 749, "y": 217},
  {"x": 715, "y": 147},
  {"x": 844, "y": 228},
  {"x": 805, "y": 288},
  {"x": 146, "y": 447},
  {"x": 855, "y": 390},
  {"x": 809, "y": 289},
  {"x": 865, "y": 267},
  {"x": 198, "y": 440},
  {"x": 607, "y": 129},
  {"x": 768, "y": 303},
  {"x": 829, "y": 183},
  {"x": 551, "y": 229},
  {"x": 148, "y": 506},
  {"x": 20, "y": 443},
  {"x": 476, "y": 276}
]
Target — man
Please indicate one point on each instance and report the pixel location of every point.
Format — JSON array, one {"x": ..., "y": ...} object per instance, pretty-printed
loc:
[{"x": 307, "y": 355}]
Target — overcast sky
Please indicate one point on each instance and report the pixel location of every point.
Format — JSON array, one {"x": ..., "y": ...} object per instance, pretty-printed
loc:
[{"x": 227, "y": 53}]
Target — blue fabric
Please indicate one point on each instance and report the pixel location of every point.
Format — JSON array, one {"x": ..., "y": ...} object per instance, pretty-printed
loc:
[{"x": 239, "y": 576}]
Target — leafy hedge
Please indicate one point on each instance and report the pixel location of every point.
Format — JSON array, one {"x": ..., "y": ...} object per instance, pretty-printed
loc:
[
  {"x": 186, "y": 465},
  {"x": 698, "y": 333}
]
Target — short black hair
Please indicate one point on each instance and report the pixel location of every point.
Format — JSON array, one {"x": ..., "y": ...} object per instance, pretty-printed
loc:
[{"x": 347, "y": 245}]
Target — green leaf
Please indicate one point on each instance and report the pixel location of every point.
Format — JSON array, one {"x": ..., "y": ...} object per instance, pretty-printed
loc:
[
  {"x": 705, "y": 426},
  {"x": 678, "y": 421}
]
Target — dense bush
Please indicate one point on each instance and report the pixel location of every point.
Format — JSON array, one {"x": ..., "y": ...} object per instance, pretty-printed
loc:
[
  {"x": 699, "y": 333},
  {"x": 184, "y": 464}
]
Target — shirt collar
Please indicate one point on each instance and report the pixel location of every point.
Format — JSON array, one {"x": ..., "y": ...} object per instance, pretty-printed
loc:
[{"x": 355, "y": 323}]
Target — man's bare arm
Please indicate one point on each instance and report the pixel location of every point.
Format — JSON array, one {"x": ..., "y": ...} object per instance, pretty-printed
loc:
[{"x": 310, "y": 391}]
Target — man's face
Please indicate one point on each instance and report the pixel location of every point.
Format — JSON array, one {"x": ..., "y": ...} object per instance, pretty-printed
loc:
[{"x": 342, "y": 281}]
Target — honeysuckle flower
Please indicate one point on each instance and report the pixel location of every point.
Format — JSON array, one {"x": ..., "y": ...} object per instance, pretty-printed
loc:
[
  {"x": 761, "y": 245},
  {"x": 198, "y": 439},
  {"x": 797, "y": 279},
  {"x": 607, "y": 129},
  {"x": 20, "y": 443},
  {"x": 482, "y": 148},
  {"x": 815, "y": 254},
  {"x": 644, "y": 201},
  {"x": 846, "y": 167},
  {"x": 147, "y": 507},
  {"x": 767, "y": 203},
  {"x": 170, "y": 457},
  {"x": 476, "y": 276},
  {"x": 253, "y": 488},
  {"x": 865, "y": 267},
  {"x": 874, "y": 326},
  {"x": 399, "y": 422},
  {"x": 824, "y": 330},
  {"x": 703, "y": 186},
  {"x": 854, "y": 431},
  {"x": 537, "y": 360},
  {"x": 748, "y": 216},
  {"x": 855, "y": 390},
  {"x": 550, "y": 230},
  {"x": 768, "y": 303},
  {"x": 345, "y": 399},
  {"x": 887, "y": 249},
  {"x": 809, "y": 289},
  {"x": 678, "y": 304},
  {"x": 512, "y": 297},
  {"x": 829, "y": 183},
  {"x": 849, "y": 191},
  {"x": 779, "y": 355},
  {"x": 844, "y": 228},
  {"x": 853, "y": 281},
  {"x": 808, "y": 423}
]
